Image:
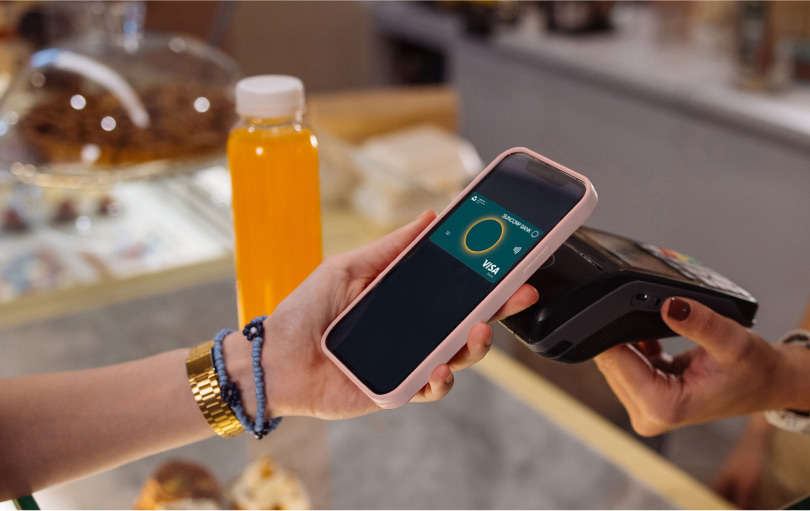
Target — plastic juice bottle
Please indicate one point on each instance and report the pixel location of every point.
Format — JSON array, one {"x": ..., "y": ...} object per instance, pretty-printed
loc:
[{"x": 273, "y": 159}]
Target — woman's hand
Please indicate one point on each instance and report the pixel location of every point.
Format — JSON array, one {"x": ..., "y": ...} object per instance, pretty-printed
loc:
[
  {"x": 300, "y": 380},
  {"x": 732, "y": 371}
]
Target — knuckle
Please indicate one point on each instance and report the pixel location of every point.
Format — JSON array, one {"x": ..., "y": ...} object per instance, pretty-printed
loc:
[{"x": 429, "y": 394}]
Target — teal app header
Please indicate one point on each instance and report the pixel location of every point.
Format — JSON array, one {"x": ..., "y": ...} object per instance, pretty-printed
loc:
[{"x": 486, "y": 237}]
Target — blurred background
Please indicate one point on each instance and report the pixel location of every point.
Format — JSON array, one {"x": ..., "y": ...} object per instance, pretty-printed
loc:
[{"x": 692, "y": 119}]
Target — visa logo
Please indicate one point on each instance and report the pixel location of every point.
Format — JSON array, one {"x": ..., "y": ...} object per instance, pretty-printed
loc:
[{"x": 490, "y": 266}]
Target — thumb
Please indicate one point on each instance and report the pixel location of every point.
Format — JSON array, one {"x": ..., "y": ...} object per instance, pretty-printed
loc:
[
  {"x": 720, "y": 336},
  {"x": 627, "y": 366},
  {"x": 379, "y": 253}
]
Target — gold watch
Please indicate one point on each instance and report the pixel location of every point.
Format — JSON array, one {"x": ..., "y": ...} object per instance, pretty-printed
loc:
[{"x": 204, "y": 385}]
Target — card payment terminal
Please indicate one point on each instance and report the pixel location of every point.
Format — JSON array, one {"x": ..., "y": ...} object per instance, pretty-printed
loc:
[{"x": 599, "y": 290}]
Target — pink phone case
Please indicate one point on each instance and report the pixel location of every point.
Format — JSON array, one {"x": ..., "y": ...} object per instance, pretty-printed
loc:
[{"x": 490, "y": 305}]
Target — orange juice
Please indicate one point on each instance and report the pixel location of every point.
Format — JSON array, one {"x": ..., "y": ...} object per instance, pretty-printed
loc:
[{"x": 276, "y": 201}]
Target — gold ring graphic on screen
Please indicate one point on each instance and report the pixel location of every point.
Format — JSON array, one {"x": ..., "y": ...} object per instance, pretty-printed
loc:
[{"x": 500, "y": 237}]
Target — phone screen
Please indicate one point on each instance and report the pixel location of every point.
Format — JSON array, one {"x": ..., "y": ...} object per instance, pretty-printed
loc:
[{"x": 451, "y": 270}]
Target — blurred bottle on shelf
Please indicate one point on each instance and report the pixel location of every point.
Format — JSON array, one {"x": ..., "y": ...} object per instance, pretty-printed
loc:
[
  {"x": 766, "y": 36},
  {"x": 273, "y": 159},
  {"x": 482, "y": 17},
  {"x": 802, "y": 61},
  {"x": 802, "y": 55}
]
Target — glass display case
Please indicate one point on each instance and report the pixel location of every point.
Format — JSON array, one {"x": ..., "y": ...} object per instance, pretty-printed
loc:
[{"x": 82, "y": 124}]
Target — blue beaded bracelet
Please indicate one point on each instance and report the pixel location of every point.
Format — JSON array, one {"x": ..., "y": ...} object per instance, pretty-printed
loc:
[
  {"x": 255, "y": 328},
  {"x": 230, "y": 392}
]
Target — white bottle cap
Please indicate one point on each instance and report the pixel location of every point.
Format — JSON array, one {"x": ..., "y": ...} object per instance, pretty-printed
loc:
[{"x": 269, "y": 96}]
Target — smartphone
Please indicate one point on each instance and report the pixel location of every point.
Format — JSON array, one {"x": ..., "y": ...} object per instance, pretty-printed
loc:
[{"x": 459, "y": 271}]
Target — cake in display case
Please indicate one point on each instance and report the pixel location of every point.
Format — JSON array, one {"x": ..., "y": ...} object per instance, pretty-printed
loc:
[{"x": 117, "y": 104}]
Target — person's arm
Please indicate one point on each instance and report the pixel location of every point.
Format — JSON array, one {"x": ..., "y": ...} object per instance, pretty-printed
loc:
[
  {"x": 55, "y": 427},
  {"x": 739, "y": 478},
  {"x": 61, "y": 426},
  {"x": 732, "y": 371}
]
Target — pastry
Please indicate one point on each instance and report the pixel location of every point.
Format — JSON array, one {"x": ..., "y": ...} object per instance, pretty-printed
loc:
[
  {"x": 185, "y": 120},
  {"x": 180, "y": 484},
  {"x": 264, "y": 485}
]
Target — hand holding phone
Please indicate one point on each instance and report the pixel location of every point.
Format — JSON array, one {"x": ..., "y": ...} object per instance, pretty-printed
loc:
[
  {"x": 300, "y": 379},
  {"x": 417, "y": 313}
]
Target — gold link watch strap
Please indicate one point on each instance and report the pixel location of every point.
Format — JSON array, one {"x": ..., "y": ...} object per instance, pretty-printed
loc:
[{"x": 204, "y": 385}]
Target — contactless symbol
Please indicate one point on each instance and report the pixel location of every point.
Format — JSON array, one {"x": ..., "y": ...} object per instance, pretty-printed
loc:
[
  {"x": 516, "y": 250},
  {"x": 535, "y": 234},
  {"x": 483, "y": 235}
]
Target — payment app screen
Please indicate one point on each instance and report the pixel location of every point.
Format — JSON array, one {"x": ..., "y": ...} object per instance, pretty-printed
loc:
[
  {"x": 420, "y": 301},
  {"x": 486, "y": 237}
]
